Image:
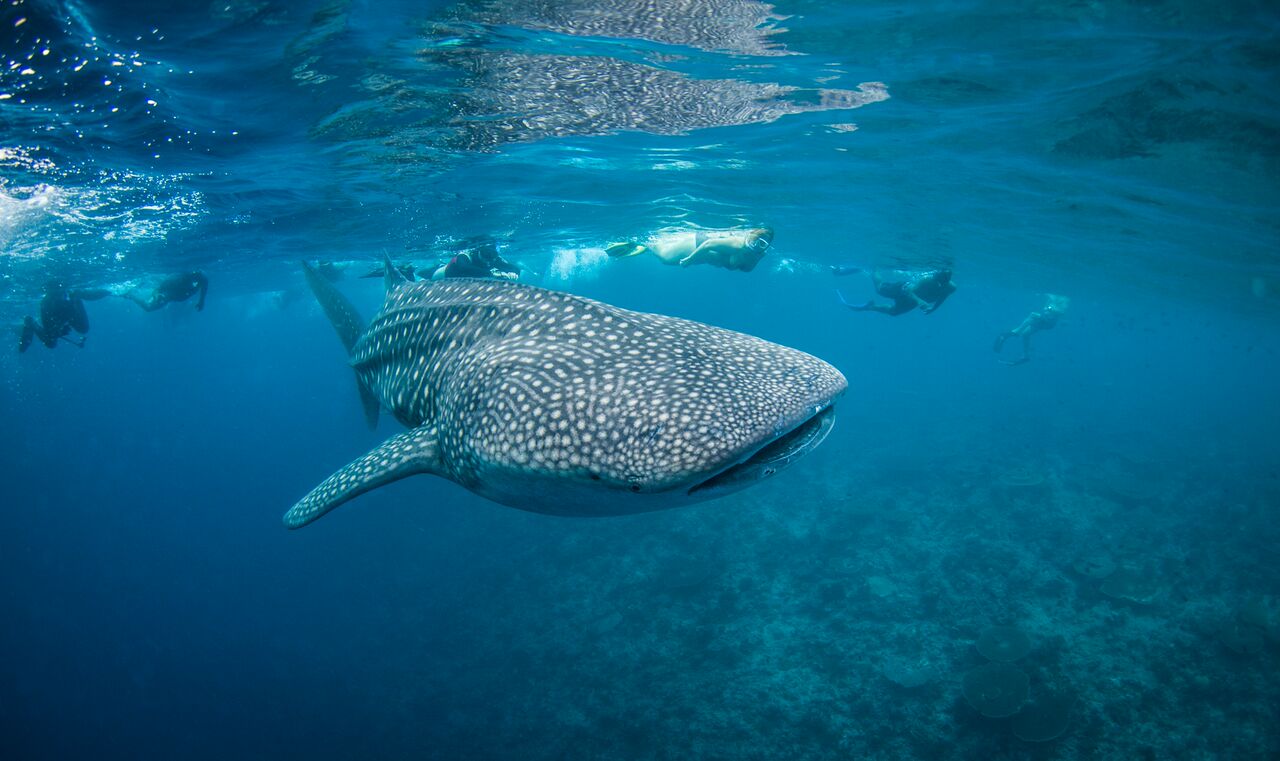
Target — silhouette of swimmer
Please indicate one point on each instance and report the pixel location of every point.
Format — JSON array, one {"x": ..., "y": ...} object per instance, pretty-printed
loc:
[
  {"x": 1045, "y": 319},
  {"x": 926, "y": 289},
  {"x": 482, "y": 260},
  {"x": 840, "y": 270},
  {"x": 335, "y": 271},
  {"x": 178, "y": 287},
  {"x": 61, "y": 311},
  {"x": 739, "y": 250}
]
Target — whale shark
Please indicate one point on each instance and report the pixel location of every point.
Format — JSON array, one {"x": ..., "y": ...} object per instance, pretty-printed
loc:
[{"x": 554, "y": 403}]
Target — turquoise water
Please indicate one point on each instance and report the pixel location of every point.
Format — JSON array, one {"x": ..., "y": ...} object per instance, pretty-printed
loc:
[{"x": 1113, "y": 500}]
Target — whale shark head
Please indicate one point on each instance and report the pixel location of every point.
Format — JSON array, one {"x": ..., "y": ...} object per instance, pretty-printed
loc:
[
  {"x": 583, "y": 408},
  {"x": 553, "y": 403}
]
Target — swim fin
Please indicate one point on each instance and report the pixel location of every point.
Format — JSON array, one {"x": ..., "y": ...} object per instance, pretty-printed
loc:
[
  {"x": 28, "y": 333},
  {"x": 624, "y": 250}
]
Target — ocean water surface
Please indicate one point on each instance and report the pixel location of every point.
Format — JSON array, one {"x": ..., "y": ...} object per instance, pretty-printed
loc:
[{"x": 1072, "y": 557}]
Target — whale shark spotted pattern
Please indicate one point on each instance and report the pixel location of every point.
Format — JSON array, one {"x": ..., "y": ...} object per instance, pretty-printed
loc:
[{"x": 554, "y": 403}]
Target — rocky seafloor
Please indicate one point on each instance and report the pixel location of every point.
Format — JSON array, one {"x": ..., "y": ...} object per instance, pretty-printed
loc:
[{"x": 1134, "y": 604}]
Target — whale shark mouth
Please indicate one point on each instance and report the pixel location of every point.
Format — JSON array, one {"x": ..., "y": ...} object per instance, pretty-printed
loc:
[{"x": 773, "y": 456}]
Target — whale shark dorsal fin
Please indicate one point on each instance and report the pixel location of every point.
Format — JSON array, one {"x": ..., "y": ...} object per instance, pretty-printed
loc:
[
  {"x": 407, "y": 454},
  {"x": 392, "y": 277}
]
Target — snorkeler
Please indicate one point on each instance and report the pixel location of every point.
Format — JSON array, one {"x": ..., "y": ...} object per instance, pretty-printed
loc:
[
  {"x": 61, "y": 311},
  {"x": 1054, "y": 307},
  {"x": 172, "y": 288},
  {"x": 739, "y": 250},
  {"x": 926, "y": 289},
  {"x": 840, "y": 270},
  {"x": 335, "y": 271},
  {"x": 481, "y": 261}
]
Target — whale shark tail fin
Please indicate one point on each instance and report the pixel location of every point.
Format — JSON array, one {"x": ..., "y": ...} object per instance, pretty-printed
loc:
[
  {"x": 349, "y": 327},
  {"x": 340, "y": 311},
  {"x": 407, "y": 454}
]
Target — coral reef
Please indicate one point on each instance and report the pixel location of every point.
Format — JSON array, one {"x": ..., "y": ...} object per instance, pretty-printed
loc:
[
  {"x": 1094, "y": 565},
  {"x": 1132, "y": 585},
  {"x": 1241, "y": 639},
  {"x": 1263, "y": 613},
  {"x": 909, "y": 672},
  {"x": 836, "y": 618},
  {"x": 1022, "y": 476},
  {"x": 1044, "y": 718},
  {"x": 996, "y": 689},
  {"x": 1003, "y": 643}
]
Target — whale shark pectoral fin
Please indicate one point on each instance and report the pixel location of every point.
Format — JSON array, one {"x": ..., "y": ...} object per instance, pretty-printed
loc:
[{"x": 407, "y": 454}]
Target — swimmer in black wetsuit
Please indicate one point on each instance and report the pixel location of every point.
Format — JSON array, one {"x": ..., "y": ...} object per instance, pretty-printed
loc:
[
  {"x": 172, "y": 288},
  {"x": 334, "y": 271},
  {"x": 925, "y": 289},
  {"x": 1054, "y": 307},
  {"x": 61, "y": 311},
  {"x": 481, "y": 261}
]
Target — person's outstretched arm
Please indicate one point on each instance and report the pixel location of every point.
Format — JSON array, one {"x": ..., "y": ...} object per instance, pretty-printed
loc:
[
  {"x": 925, "y": 306},
  {"x": 944, "y": 297},
  {"x": 698, "y": 254}
]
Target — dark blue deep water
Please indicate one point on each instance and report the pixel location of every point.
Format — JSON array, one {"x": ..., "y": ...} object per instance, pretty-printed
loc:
[{"x": 1103, "y": 516}]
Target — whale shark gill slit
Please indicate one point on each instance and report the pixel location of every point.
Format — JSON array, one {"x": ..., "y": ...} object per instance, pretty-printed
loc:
[{"x": 775, "y": 455}]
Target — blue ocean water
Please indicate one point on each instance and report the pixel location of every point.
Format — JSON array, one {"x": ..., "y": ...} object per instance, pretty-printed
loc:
[{"x": 1112, "y": 501}]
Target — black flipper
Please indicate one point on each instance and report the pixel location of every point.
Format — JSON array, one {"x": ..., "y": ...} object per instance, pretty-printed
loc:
[{"x": 28, "y": 333}]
